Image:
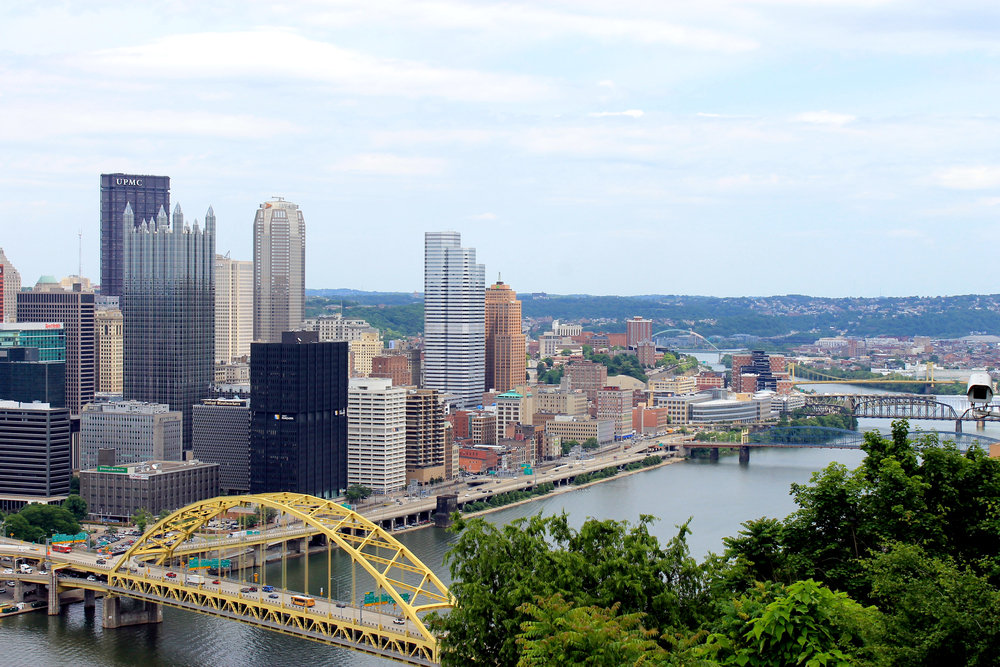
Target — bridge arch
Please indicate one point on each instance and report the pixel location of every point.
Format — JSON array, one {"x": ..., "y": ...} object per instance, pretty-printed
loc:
[
  {"x": 368, "y": 544},
  {"x": 687, "y": 331}
]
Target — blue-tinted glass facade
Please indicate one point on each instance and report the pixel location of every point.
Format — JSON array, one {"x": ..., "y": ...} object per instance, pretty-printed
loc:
[{"x": 145, "y": 194}]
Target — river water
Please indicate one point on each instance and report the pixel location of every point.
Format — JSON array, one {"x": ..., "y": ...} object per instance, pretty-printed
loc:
[{"x": 716, "y": 497}]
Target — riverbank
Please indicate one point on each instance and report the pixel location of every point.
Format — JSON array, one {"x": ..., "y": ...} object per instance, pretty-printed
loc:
[{"x": 565, "y": 489}]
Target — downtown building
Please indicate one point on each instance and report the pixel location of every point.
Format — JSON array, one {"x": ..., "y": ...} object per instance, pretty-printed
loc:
[
  {"x": 135, "y": 431},
  {"x": 221, "y": 432},
  {"x": 505, "y": 342},
  {"x": 233, "y": 308},
  {"x": 454, "y": 319},
  {"x": 109, "y": 330},
  {"x": 427, "y": 442},
  {"x": 144, "y": 196},
  {"x": 376, "y": 434},
  {"x": 34, "y": 454},
  {"x": 298, "y": 416},
  {"x": 11, "y": 285},
  {"x": 168, "y": 308},
  {"x": 279, "y": 269},
  {"x": 48, "y": 303}
]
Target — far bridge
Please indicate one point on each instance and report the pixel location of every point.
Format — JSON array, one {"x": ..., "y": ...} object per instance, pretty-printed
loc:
[
  {"x": 893, "y": 406},
  {"x": 821, "y": 437}
]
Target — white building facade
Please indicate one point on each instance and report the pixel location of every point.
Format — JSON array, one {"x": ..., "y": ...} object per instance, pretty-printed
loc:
[
  {"x": 233, "y": 308},
  {"x": 376, "y": 434},
  {"x": 454, "y": 319}
]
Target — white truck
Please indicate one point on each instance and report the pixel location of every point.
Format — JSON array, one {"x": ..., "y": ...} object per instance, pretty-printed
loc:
[
  {"x": 196, "y": 579},
  {"x": 26, "y": 569}
]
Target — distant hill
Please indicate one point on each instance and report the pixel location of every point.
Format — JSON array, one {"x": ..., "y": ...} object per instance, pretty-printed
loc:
[{"x": 797, "y": 316}]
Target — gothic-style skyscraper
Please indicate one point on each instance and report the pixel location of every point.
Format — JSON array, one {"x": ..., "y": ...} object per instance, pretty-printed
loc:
[
  {"x": 168, "y": 306},
  {"x": 454, "y": 318}
]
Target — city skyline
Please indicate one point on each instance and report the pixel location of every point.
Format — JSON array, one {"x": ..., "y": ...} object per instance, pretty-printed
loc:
[{"x": 676, "y": 133}]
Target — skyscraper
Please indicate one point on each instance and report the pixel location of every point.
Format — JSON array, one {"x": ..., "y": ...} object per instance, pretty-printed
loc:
[
  {"x": 298, "y": 416},
  {"x": 109, "y": 339},
  {"x": 48, "y": 302},
  {"x": 376, "y": 434},
  {"x": 168, "y": 306},
  {"x": 146, "y": 195},
  {"x": 505, "y": 356},
  {"x": 11, "y": 286},
  {"x": 454, "y": 318},
  {"x": 233, "y": 308},
  {"x": 34, "y": 454},
  {"x": 279, "y": 269},
  {"x": 638, "y": 330},
  {"x": 426, "y": 440}
]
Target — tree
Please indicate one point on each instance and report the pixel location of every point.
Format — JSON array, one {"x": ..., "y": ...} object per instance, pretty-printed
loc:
[
  {"x": 19, "y": 528},
  {"x": 74, "y": 484},
  {"x": 142, "y": 518},
  {"x": 48, "y": 519},
  {"x": 567, "y": 352},
  {"x": 805, "y": 624},
  {"x": 560, "y": 634},
  {"x": 164, "y": 513},
  {"x": 77, "y": 506},
  {"x": 568, "y": 445},
  {"x": 590, "y": 443},
  {"x": 356, "y": 492}
]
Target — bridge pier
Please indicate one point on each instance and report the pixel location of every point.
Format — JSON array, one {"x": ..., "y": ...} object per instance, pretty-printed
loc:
[
  {"x": 714, "y": 454},
  {"x": 53, "y": 593},
  {"x": 744, "y": 455},
  {"x": 89, "y": 598},
  {"x": 958, "y": 426},
  {"x": 980, "y": 424},
  {"x": 18, "y": 591},
  {"x": 114, "y": 617}
]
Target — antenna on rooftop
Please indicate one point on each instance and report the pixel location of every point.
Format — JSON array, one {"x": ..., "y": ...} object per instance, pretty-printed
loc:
[{"x": 80, "y": 249}]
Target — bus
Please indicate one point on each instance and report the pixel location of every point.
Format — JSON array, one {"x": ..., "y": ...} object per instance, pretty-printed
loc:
[
  {"x": 62, "y": 548},
  {"x": 303, "y": 601}
]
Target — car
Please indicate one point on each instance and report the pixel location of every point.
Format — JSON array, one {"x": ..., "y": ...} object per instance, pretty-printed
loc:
[
  {"x": 341, "y": 605},
  {"x": 101, "y": 561},
  {"x": 171, "y": 575},
  {"x": 8, "y": 571},
  {"x": 267, "y": 589},
  {"x": 2, "y": 591},
  {"x": 253, "y": 589},
  {"x": 12, "y": 583},
  {"x": 399, "y": 621},
  {"x": 245, "y": 589},
  {"x": 273, "y": 596},
  {"x": 91, "y": 578},
  {"x": 215, "y": 581}
]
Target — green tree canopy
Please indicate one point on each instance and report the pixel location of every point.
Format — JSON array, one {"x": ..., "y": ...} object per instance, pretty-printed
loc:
[
  {"x": 142, "y": 518},
  {"x": 77, "y": 506},
  {"x": 356, "y": 492}
]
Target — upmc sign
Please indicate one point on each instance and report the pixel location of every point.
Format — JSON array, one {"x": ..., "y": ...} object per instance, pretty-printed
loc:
[{"x": 137, "y": 182}]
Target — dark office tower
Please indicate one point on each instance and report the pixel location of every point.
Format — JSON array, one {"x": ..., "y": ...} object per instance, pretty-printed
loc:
[
  {"x": 168, "y": 311},
  {"x": 146, "y": 195},
  {"x": 298, "y": 416},
  {"x": 24, "y": 377},
  {"x": 34, "y": 454},
  {"x": 221, "y": 428},
  {"x": 48, "y": 302}
]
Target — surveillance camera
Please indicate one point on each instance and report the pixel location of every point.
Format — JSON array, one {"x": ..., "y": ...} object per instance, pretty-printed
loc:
[{"x": 980, "y": 390}]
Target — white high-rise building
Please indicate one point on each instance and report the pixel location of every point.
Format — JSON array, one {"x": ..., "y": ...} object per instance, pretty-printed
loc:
[
  {"x": 376, "y": 434},
  {"x": 279, "y": 269},
  {"x": 454, "y": 319},
  {"x": 233, "y": 308}
]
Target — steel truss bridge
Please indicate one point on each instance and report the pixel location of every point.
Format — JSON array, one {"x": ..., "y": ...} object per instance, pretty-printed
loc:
[
  {"x": 821, "y": 437},
  {"x": 143, "y": 573},
  {"x": 892, "y": 406}
]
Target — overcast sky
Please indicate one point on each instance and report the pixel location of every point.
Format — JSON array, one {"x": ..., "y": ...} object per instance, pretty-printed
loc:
[{"x": 727, "y": 148}]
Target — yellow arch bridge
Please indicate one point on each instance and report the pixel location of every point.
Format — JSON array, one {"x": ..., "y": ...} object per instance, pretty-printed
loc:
[{"x": 386, "y": 620}]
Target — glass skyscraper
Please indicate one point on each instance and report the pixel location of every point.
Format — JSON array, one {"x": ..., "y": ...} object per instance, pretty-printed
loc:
[
  {"x": 298, "y": 416},
  {"x": 145, "y": 195},
  {"x": 279, "y": 269},
  {"x": 168, "y": 307},
  {"x": 454, "y": 319}
]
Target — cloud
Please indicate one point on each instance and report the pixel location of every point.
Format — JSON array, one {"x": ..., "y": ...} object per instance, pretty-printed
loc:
[
  {"x": 386, "y": 164},
  {"x": 606, "y": 83},
  {"x": 483, "y": 216},
  {"x": 277, "y": 56},
  {"x": 824, "y": 118},
  {"x": 969, "y": 178},
  {"x": 528, "y": 20},
  {"x": 635, "y": 113}
]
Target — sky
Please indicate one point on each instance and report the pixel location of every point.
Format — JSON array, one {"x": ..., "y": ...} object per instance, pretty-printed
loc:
[{"x": 718, "y": 147}]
